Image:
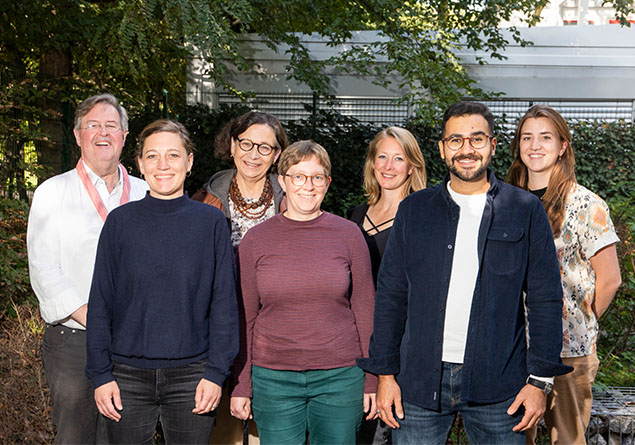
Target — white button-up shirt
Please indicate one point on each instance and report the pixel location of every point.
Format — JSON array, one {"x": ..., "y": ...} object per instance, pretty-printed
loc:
[{"x": 62, "y": 236}]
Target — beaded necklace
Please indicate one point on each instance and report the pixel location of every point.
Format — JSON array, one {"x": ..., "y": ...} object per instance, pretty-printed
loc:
[{"x": 249, "y": 210}]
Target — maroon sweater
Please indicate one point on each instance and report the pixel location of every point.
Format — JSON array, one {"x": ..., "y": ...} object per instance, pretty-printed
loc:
[{"x": 307, "y": 295}]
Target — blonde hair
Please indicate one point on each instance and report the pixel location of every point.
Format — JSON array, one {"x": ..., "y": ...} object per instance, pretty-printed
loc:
[
  {"x": 303, "y": 150},
  {"x": 408, "y": 143},
  {"x": 562, "y": 177}
]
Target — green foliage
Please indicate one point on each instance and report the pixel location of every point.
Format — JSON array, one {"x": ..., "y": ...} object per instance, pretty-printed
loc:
[
  {"x": 616, "y": 344},
  {"x": 346, "y": 141},
  {"x": 605, "y": 157},
  {"x": 14, "y": 273}
]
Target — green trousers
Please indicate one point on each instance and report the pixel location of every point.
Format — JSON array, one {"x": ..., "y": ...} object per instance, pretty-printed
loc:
[{"x": 327, "y": 404}]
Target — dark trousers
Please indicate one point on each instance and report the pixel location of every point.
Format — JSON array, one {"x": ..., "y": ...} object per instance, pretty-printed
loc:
[
  {"x": 152, "y": 395},
  {"x": 72, "y": 396}
]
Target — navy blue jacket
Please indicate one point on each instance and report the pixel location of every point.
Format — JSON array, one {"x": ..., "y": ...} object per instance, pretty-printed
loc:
[
  {"x": 163, "y": 292},
  {"x": 516, "y": 254}
]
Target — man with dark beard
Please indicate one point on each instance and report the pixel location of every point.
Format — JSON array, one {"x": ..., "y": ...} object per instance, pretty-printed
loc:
[{"x": 463, "y": 260}]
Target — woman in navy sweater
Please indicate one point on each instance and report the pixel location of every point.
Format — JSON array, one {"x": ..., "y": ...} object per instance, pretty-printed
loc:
[{"x": 162, "y": 323}]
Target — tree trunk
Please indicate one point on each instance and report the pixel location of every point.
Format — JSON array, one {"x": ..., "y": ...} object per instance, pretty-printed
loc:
[{"x": 55, "y": 68}]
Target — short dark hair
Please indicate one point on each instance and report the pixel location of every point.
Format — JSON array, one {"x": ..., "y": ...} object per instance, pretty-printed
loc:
[
  {"x": 468, "y": 108},
  {"x": 240, "y": 124},
  {"x": 168, "y": 126}
]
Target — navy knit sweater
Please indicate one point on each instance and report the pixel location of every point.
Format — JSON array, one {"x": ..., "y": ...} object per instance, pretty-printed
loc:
[{"x": 163, "y": 291}]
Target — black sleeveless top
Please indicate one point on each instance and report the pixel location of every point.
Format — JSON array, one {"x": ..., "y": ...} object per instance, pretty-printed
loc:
[{"x": 376, "y": 242}]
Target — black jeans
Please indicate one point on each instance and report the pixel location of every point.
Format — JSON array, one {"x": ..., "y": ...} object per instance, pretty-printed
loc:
[
  {"x": 72, "y": 396},
  {"x": 165, "y": 395}
]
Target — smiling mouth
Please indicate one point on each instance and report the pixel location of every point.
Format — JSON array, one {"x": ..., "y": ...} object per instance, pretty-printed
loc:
[
  {"x": 251, "y": 164},
  {"x": 102, "y": 144}
]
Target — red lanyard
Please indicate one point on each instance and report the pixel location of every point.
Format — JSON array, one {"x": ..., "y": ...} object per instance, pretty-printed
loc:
[{"x": 94, "y": 194}]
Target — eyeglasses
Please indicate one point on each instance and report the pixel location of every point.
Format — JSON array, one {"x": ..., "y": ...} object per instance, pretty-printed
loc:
[
  {"x": 317, "y": 180},
  {"x": 477, "y": 141},
  {"x": 110, "y": 127},
  {"x": 247, "y": 145}
]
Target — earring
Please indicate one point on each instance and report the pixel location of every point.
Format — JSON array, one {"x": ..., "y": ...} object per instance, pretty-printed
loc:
[
  {"x": 231, "y": 154},
  {"x": 189, "y": 173}
]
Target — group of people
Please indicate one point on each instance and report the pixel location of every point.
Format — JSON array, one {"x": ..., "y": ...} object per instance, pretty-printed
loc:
[{"x": 472, "y": 297}]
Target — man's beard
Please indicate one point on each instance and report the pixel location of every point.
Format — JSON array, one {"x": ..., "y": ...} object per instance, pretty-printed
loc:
[{"x": 468, "y": 175}]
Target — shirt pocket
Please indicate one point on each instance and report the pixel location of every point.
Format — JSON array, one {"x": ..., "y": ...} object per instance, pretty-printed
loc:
[{"x": 504, "y": 249}]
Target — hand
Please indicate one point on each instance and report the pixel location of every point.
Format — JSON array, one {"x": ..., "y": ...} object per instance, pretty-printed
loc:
[
  {"x": 389, "y": 394},
  {"x": 240, "y": 408},
  {"x": 105, "y": 395},
  {"x": 535, "y": 403},
  {"x": 370, "y": 405},
  {"x": 207, "y": 397}
]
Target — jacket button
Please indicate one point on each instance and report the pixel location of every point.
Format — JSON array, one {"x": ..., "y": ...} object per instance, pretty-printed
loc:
[
  {"x": 450, "y": 246},
  {"x": 505, "y": 235}
]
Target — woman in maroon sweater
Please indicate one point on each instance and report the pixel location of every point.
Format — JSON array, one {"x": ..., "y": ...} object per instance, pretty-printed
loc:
[{"x": 308, "y": 298}]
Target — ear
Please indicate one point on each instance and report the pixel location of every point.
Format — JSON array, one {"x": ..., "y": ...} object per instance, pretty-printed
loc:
[
  {"x": 190, "y": 162},
  {"x": 565, "y": 144},
  {"x": 494, "y": 146},
  {"x": 124, "y": 133},
  {"x": 232, "y": 147},
  {"x": 77, "y": 140},
  {"x": 282, "y": 184},
  {"x": 441, "y": 150},
  {"x": 276, "y": 155}
]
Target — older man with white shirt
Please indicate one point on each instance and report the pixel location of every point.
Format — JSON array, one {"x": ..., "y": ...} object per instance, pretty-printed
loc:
[{"x": 66, "y": 217}]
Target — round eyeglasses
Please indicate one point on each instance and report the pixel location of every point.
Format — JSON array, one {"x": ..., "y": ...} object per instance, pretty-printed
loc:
[
  {"x": 477, "y": 141},
  {"x": 247, "y": 145},
  {"x": 317, "y": 180}
]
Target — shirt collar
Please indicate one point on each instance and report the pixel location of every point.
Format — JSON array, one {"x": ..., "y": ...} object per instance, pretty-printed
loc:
[{"x": 95, "y": 179}]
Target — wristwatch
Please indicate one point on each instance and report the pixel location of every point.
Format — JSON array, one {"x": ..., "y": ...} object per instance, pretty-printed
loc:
[{"x": 545, "y": 386}]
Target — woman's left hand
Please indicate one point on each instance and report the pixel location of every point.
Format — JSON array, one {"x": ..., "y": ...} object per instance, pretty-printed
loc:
[
  {"x": 370, "y": 405},
  {"x": 207, "y": 397}
]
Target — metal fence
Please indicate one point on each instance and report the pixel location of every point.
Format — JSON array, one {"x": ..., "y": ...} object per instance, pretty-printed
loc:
[
  {"x": 612, "y": 417},
  {"x": 294, "y": 106},
  {"x": 387, "y": 110}
]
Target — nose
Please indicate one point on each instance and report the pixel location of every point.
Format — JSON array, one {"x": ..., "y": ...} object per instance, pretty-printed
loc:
[
  {"x": 389, "y": 164},
  {"x": 253, "y": 154},
  {"x": 163, "y": 163},
  {"x": 103, "y": 131},
  {"x": 467, "y": 146},
  {"x": 308, "y": 185}
]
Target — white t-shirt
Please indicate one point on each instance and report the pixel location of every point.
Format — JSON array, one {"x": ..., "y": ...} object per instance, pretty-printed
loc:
[{"x": 463, "y": 276}]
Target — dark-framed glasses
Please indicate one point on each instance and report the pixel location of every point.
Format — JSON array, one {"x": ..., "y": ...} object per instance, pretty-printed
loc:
[
  {"x": 110, "y": 127},
  {"x": 247, "y": 145},
  {"x": 478, "y": 141},
  {"x": 317, "y": 180}
]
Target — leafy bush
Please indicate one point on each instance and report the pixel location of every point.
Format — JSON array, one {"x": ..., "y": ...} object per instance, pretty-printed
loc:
[
  {"x": 14, "y": 273},
  {"x": 616, "y": 343}
]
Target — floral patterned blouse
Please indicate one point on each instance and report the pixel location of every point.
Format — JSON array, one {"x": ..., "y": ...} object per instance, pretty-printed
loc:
[
  {"x": 586, "y": 229},
  {"x": 240, "y": 224}
]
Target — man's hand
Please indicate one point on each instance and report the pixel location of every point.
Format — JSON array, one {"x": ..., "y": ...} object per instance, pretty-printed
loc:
[
  {"x": 370, "y": 405},
  {"x": 207, "y": 397},
  {"x": 80, "y": 314},
  {"x": 105, "y": 395},
  {"x": 535, "y": 403},
  {"x": 240, "y": 408},
  {"x": 389, "y": 394}
]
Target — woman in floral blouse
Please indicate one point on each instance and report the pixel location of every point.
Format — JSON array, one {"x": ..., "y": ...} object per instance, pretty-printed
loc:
[{"x": 585, "y": 241}]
